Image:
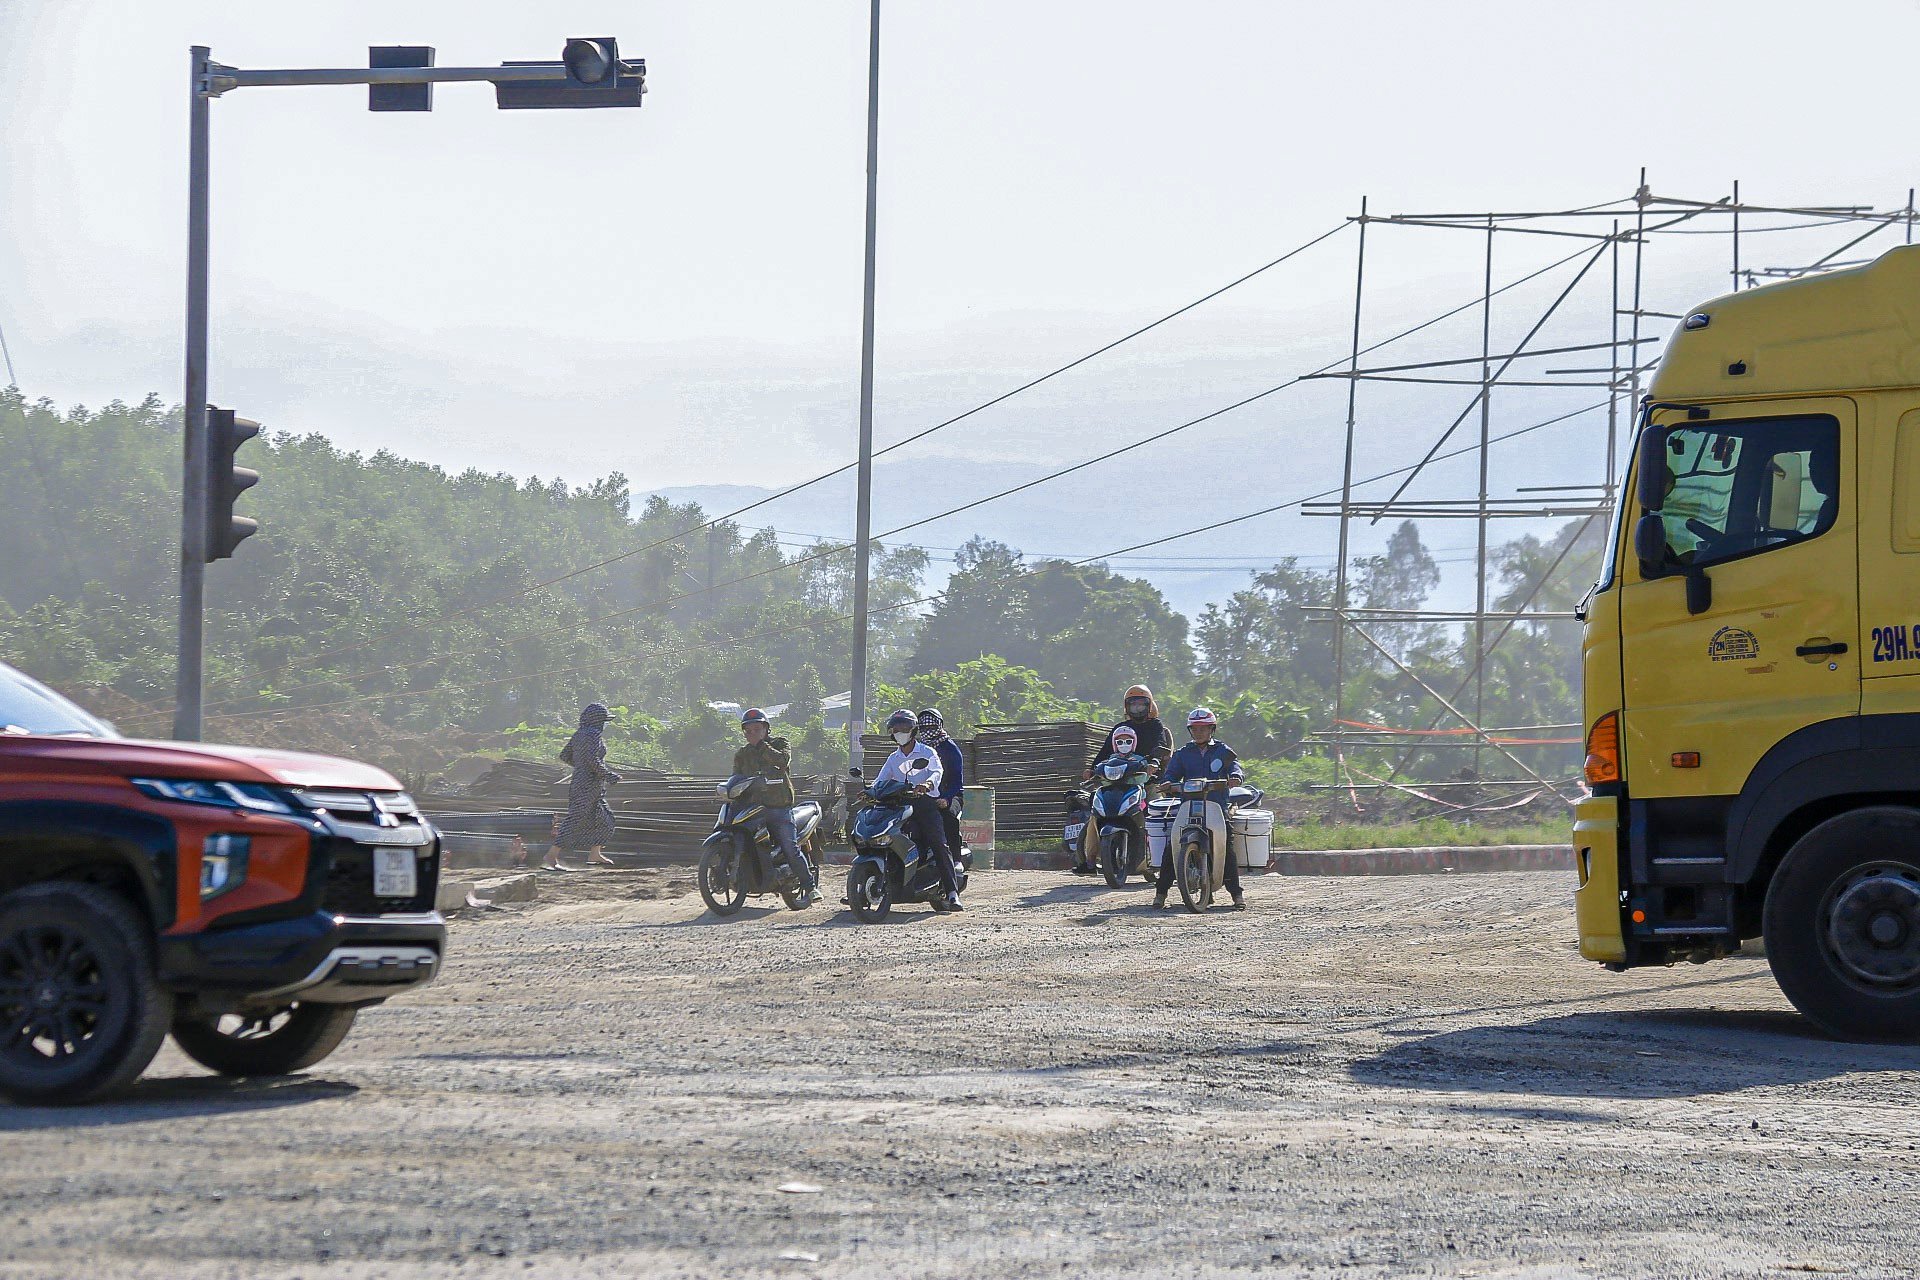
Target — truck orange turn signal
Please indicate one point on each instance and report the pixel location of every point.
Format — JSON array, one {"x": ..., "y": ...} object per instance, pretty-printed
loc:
[
  {"x": 1603, "y": 750},
  {"x": 1686, "y": 760}
]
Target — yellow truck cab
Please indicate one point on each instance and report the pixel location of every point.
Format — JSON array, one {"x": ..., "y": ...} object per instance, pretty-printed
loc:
[{"x": 1752, "y": 654}]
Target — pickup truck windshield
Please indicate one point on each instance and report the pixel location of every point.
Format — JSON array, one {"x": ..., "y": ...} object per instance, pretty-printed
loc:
[{"x": 27, "y": 706}]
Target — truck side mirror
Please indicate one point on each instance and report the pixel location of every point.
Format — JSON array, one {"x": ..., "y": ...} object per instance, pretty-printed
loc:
[
  {"x": 1650, "y": 475},
  {"x": 1650, "y": 544}
]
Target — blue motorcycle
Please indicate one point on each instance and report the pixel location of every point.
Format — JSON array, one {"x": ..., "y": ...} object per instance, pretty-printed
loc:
[
  {"x": 1119, "y": 812},
  {"x": 889, "y": 865}
]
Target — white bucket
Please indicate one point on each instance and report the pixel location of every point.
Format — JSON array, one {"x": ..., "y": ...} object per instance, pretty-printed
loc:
[
  {"x": 1159, "y": 831},
  {"x": 1252, "y": 837}
]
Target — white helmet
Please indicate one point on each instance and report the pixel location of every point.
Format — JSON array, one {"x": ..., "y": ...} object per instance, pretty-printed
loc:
[{"x": 1201, "y": 715}]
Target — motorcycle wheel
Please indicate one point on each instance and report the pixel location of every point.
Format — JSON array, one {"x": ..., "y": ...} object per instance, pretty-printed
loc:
[
  {"x": 1113, "y": 857},
  {"x": 800, "y": 896},
  {"x": 868, "y": 893},
  {"x": 720, "y": 882},
  {"x": 1192, "y": 871}
]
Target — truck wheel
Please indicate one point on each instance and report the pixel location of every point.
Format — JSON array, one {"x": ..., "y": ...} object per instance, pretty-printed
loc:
[
  {"x": 1842, "y": 924},
  {"x": 275, "y": 1043},
  {"x": 81, "y": 1015}
]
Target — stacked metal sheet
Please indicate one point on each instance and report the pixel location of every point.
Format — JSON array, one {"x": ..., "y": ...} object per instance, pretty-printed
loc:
[{"x": 1031, "y": 767}]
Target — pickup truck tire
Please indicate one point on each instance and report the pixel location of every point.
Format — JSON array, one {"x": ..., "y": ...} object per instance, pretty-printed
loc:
[
  {"x": 1842, "y": 924},
  {"x": 277, "y": 1044},
  {"x": 81, "y": 1015}
]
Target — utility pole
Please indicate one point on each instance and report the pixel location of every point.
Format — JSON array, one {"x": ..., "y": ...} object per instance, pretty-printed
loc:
[
  {"x": 589, "y": 73},
  {"x": 193, "y": 478},
  {"x": 863, "y": 515}
]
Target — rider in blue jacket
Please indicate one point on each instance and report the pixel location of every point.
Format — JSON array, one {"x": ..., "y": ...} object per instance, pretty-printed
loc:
[
  {"x": 933, "y": 733},
  {"x": 1215, "y": 761}
]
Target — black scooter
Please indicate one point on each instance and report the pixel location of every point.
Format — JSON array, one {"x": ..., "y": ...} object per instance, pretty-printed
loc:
[{"x": 742, "y": 858}]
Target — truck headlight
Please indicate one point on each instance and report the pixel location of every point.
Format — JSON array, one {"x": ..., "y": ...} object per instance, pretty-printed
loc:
[
  {"x": 223, "y": 863},
  {"x": 226, "y": 795}
]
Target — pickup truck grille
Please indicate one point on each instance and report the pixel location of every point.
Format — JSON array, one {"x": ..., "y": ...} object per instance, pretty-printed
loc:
[{"x": 348, "y": 890}]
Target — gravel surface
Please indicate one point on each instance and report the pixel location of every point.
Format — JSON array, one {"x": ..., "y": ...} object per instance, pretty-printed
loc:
[{"x": 1364, "y": 1077}]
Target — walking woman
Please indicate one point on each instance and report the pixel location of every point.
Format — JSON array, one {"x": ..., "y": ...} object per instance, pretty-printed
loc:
[{"x": 589, "y": 822}]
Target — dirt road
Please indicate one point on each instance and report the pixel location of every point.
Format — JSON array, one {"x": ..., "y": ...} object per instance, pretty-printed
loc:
[{"x": 1364, "y": 1077}]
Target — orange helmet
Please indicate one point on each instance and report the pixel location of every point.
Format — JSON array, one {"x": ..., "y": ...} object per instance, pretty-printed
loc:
[{"x": 1141, "y": 691}]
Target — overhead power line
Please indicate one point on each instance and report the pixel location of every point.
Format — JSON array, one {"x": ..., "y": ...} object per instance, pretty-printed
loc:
[{"x": 848, "y": 466}]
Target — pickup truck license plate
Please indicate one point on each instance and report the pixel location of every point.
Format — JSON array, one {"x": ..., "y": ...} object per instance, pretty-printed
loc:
[{"x": 394, "y": 874}]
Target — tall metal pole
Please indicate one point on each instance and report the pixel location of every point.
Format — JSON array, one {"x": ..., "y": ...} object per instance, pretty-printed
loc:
[
  {"x": 1346, "y": 499},
  {"x": 1736, "y": 235},
  {"x": 193, "y": 478},
  {"x": 863, "y": 518},
  {"x": 1613, "y": 366},
  {"x": 1480, "y": 556}
]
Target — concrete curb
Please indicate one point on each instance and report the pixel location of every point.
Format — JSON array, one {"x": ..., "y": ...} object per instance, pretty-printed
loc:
[
  {"x": 1428, "y": 860},
  {"x": 1416, "y": 861}
]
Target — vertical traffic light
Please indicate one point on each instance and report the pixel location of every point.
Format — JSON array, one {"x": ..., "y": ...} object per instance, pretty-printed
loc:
[{"x": 226, "y": 432}]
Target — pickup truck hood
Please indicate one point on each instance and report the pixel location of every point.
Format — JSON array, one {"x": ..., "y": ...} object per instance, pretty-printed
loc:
[{"x": 134, "y": 758}]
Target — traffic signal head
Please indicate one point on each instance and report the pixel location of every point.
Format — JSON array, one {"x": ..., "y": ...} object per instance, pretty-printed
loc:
[
  {"x": 595, "y": 77},
  {"x": 226, "y": 432}
]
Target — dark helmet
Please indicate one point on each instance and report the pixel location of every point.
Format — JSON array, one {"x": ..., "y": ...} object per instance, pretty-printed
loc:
[
  {"x": 902, "y": 720},
  {"x": 754, "y": 715},
  {"x": 930, "y": 719}
]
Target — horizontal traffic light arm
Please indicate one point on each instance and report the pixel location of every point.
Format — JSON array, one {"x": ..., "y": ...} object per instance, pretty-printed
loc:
[{"x": 222, "y": 78}]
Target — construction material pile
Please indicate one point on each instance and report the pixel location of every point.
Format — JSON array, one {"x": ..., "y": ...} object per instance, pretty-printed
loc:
[
  {"x": 1031, "y": 767},
  {"x": 656, "y": 815}
]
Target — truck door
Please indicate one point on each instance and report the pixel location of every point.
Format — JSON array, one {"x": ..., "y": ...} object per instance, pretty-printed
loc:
[{"x": 1760, "y": 498}]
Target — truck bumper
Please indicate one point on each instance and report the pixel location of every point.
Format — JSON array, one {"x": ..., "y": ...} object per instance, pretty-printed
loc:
[
  {"x": 1596, "y": 852},
  {"x": 319, "y": 957}
]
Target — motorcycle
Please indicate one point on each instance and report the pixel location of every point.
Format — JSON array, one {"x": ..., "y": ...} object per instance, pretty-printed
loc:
[
  {"x": 1119, "y": 812},
  {"x": 741, "y": 857},
  {"x": 1199, "y": 842},
  {"x": 889, "y": 865},
  {"x": 1079, "y": 810}
]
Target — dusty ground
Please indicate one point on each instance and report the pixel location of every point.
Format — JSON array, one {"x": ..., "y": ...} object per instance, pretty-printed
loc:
[{"x": 1368, "y": 1077}]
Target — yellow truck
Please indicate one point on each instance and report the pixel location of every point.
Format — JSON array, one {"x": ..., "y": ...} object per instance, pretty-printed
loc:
[{"x": 1752, "y": 654}]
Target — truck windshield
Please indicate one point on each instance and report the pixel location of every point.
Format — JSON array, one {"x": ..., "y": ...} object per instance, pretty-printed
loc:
[
  {"x": 27, "y": 706},
  {"x": 1739, "y": 488}
]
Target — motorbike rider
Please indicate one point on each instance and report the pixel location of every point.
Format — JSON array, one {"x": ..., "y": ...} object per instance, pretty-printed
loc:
[
  {"x": 1153, "y": 741},
  {"x": 768, "y": 757},
  {"x": 920, "y": 769},
  {"x": 933, "y": 733},
  {"x": 1203, "y": 757}
]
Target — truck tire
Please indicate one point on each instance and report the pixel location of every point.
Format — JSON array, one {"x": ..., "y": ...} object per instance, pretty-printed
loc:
[
  {"x": 81, "y": 1015},
  {"x": 1842, "y": 924},
  {"x": 276, "y": 1044}
]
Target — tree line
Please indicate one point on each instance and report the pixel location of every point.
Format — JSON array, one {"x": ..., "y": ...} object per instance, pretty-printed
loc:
[{"x": 392, "y": 601}]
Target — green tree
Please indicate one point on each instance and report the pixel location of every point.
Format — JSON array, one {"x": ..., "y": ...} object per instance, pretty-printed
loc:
[{"x": 984, "y": 690}]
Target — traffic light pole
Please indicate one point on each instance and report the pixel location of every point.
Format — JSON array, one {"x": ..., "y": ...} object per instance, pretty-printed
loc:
[
  {"x": 193, "y": 487},
  {"x": 590, "y": 73}
]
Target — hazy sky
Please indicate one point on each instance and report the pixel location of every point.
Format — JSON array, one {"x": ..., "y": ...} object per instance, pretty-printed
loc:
[{"x": 674, "y": 292}]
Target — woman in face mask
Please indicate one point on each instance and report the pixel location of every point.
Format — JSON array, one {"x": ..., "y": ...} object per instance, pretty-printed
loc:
[
  {"x": 1151, "y": 740},
  {"x": 919, "y": 767},
  {"x": 588, "y": 823}
]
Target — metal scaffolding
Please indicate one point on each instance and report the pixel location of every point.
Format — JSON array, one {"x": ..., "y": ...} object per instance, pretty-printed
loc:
[{"x": 1615, "y": 243}]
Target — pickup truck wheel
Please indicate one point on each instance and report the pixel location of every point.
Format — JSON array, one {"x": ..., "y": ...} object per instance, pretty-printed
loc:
[
  {"x": 1842, "y": 924},
  {"x": 81, "y": 1015},
  {"x": 275, "y": 1043}
]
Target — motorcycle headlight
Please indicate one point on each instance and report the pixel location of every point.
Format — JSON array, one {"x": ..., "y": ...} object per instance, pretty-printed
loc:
[{"x": 225, "y": 795}]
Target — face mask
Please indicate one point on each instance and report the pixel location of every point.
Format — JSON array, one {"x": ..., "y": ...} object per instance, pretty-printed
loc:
[{"x": 903, "y": 737}]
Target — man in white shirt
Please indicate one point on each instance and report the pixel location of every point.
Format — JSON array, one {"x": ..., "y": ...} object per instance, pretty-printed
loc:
[{"x": 918, "y": 766}]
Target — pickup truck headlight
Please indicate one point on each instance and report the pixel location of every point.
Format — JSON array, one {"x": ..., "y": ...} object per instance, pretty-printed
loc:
[
  {"x": 223, "y": 863},
  {"x": 225, "y": 795}
]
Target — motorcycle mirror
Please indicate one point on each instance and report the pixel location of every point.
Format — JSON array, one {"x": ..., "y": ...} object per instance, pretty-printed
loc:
[{"x": 855, "y": 772}]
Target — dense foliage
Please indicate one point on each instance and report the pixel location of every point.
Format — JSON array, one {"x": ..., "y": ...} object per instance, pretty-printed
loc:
[{"x": 387, "y": 600}]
